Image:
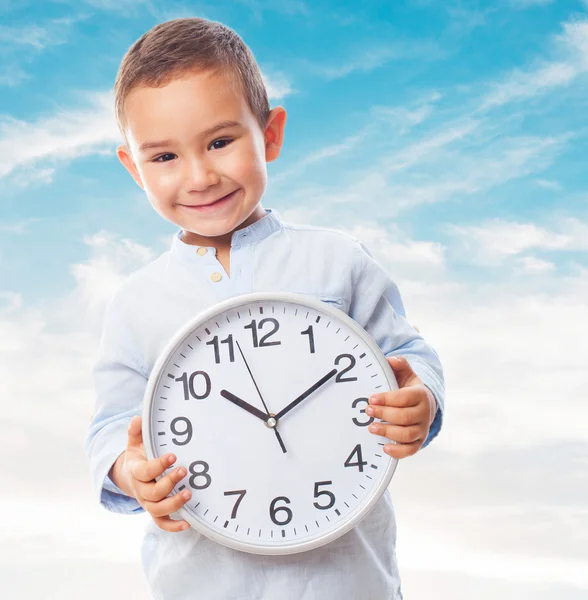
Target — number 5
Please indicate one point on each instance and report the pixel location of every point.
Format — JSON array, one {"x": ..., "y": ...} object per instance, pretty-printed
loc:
[{"x": 318, "y": 493}]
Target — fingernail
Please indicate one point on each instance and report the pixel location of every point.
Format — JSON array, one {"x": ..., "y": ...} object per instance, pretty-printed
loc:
[
  {"x": 182, "y": 473},
  {"x": 171, "y": 459},
  {"x": 186, "y": 495},
  {"x": 374, "y": 428},
  {"x": 370, "y": 411},
  {"x": 376, "y": 400}
]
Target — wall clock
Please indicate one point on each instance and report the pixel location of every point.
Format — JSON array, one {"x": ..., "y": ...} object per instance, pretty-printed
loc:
[{"x": 262, "y": 398}]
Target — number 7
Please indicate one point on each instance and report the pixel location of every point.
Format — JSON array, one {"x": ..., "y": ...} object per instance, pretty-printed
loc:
[{"x": 241, "y": 494}]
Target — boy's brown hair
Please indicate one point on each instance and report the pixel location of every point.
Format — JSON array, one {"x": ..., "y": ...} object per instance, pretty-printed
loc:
[{"x": 180, "y": 47}]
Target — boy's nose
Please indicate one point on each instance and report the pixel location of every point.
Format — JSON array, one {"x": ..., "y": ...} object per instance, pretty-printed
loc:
[{"x": 200, "y": 175}]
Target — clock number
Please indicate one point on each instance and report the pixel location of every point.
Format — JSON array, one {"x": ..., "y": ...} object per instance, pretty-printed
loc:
[
  {"x": 241, "y": 494},
  {"x": 360, "y": 462},
  {"x": 228, "y": 341},
  {"x": 318, "y": 493},
  {"x": 274, "y": 510},
  {"x": 187, "y": 431},
  {"x": 189, "y": 385},
  {"x": 361, "y": 423},
  {"x": 253, "y": 326},
  {"x": 310, "y": 334},
  {"x": 340, "y": 378},
  {"x": 203, "y": 473}
]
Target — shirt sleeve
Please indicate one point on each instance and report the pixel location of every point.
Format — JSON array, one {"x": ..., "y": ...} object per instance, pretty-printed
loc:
[
  {"x": 377, "y": 306},
  {"x": 119, "y": 386}
]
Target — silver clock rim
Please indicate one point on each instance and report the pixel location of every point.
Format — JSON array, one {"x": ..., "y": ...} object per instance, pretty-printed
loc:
[{"x": 158, "y": 371}]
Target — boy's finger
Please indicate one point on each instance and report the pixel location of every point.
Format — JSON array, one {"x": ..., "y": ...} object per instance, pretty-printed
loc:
[
  {"x": 154, "y": 492},
  {"x": 135, "y": 435},
  {"x": 401, "y": 435},
  {"x": 402, "y": 450},
  {"x": 408, "y": 396},
  {"x": 167, "y": 506},
  {"x": 411, "y": 415},
  {"x": 148, "y": 470},
  {"x": 168, "y": 524}
]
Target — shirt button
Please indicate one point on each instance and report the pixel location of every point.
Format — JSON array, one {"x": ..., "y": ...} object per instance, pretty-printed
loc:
[
  {"x": 216, "y": 277},
  {"x": 201, "y": 251}
]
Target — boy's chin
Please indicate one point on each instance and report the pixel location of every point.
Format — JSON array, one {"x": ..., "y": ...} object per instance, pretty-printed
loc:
[{"x": 208, "y": 231}]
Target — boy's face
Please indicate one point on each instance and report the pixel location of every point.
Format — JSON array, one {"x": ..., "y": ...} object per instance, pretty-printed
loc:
[{"x": 192, "y": 169}]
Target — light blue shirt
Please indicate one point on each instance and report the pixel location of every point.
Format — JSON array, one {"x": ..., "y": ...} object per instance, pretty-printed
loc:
[{"x": 143, "y": 315}]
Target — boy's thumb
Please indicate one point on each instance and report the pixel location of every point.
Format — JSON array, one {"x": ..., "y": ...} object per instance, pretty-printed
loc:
[
  {"x": 402, "y": 370},
  {"x": 135, "y": 432}
]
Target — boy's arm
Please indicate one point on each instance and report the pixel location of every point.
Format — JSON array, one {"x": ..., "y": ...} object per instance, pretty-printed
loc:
[
  {"x": 119, "y": 384},
  {"x": 377, "y": 306}
]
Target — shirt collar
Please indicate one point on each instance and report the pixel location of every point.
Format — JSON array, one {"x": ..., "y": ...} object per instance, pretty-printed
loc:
[{"x": 257, "y": 231}]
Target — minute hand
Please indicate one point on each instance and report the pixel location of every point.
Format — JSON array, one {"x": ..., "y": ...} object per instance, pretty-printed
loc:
[{"x": 305, "y": 395}]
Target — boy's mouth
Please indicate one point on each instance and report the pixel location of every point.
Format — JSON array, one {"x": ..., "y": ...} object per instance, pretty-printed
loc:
[{"x": 216, "y": 204}]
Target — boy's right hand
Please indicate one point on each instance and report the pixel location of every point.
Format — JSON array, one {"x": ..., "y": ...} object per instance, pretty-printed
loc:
[{"x": 151, "y": 494}]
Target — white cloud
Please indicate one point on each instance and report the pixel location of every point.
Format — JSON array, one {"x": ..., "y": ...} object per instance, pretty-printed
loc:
[
  {"x": 414, "y": 153},
  {"x": 549, "y": 184},
  {"x": 33, "y": 35},
  {"x": 341, "y": 148},
  {"x": 277, "y": 85},
  {"x": 367, "y": 59},
  {"x": 67, "y": 135},
  {"x": 19, "y": 227},
  {"x": 438, "y": 169},
  {"x": 21, "y": 43},
  {"x": 428, "y": 550},
  {"x": 521, "y": 85},
  {"x": 408, "y": 255},
  {"x": 13, "y": 75},
  {"x": 571, "y": 44},
  {"x": 405, "y": 118},
  {"x": 46, "y": 354},
  {"x": 493, "y": 241},
  {"x": 99, "y": 277},
  {"x": 531, "y": 264}
]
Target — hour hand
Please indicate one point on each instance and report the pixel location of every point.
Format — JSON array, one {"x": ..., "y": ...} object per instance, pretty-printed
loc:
[{"x": 245, "y": 405}]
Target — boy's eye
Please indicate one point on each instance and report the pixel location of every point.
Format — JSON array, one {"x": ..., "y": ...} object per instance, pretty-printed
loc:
[
  {"x": 163, "y": 156},
  {"x": 225, "y": 141},
  {"x": 223, "y": 144}
]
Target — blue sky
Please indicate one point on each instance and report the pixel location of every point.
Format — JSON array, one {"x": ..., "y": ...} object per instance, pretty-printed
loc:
[
  {"x": 360, "y": 86},
  {"x": 450, "y": 136}
]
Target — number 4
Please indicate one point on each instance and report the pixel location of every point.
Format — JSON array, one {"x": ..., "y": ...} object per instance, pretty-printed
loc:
[{"x": 360, "y": 462}]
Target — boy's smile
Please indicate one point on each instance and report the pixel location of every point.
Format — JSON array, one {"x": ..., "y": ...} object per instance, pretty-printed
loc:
[{"x": 199, "y": 153}]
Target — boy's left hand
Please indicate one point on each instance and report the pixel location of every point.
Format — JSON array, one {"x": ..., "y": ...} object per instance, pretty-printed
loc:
[{"x": 408, "y": 411}]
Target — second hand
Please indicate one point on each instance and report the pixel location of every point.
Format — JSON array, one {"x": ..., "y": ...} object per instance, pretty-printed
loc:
[{"x": 278, "y": 436}]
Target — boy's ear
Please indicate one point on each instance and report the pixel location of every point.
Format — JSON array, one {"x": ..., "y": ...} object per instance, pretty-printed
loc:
[
  {"x": 274, "y": 133},
  {"x": 124, "y": 155}
]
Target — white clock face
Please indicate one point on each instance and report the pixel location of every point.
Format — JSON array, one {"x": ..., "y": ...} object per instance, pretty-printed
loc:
[{"x": 264, "y": 404}]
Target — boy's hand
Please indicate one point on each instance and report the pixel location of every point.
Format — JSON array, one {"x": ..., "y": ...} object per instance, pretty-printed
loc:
[
  {"x": 150, "y": 494},
  {"x": 408, "y": 411}
]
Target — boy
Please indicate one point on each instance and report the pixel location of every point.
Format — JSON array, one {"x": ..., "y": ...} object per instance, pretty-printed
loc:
[{"x": 198, "y": 132}]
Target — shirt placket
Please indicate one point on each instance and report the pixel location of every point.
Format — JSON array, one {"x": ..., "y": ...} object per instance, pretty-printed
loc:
[{"x": 222, "y": 285}]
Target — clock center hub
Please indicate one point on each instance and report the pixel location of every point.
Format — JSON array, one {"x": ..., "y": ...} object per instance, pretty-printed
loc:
[{"x": 272, "y": 422}]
